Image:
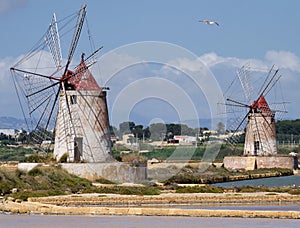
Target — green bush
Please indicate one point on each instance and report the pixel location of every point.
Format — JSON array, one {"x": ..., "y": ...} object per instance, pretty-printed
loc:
[
  {"x": 104, "y": 181},
  {"x": 130, "y": 190},
  {"x": 42, "y": 181},
  {"x": 200, "y": 189},
  {"x": 295, "y": 191}
]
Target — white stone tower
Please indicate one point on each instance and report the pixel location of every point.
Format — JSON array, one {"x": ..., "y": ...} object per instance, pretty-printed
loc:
[
  {"x": 260, "y": 139},
  {"x": 82, "y": 126}
]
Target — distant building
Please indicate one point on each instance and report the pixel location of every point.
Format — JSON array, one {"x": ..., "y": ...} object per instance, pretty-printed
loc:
[
  {"x": 173, "y": 141},
  {"x": 114, "y": 139},
  {"x": 11, "y": 132},
  {"x": 212, "y": 132},
  {"x": 128, "y": 139},
  {"x": 184, "y": 138}
]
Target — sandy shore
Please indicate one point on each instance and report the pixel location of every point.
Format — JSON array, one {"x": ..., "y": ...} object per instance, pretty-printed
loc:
[{"x": 159, "y": 205}]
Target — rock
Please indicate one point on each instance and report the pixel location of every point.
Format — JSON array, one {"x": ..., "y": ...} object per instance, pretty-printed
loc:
[
  {"x": 10, "y": 199},
  {"x": 18, "y": 201}
]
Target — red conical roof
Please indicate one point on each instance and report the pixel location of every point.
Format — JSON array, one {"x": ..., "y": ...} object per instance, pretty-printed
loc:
[
  {"x": 83, "y": 78},
  {"x": 261, "y": 105}
]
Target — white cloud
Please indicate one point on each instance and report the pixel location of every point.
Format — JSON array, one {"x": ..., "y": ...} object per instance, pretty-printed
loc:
[
  {"x": 212, "y": 60},
  {"x": 110, "y": 64},
  {"x": 8, "y": 98},
  {"x": 222, "y": 67},
  {"x": 284, "y": 59}
]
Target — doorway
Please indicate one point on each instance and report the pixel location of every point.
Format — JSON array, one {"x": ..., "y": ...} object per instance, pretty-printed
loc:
[{"x": 77, "y": 148}]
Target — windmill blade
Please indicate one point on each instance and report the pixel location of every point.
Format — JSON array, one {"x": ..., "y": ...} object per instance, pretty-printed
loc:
[
  {"x": 42, "y": 115},
  {"x": 235, "y": 105},
  {"x": 238, "y": 127},
  {"x": 79, "y": 24},
  {"x": 53, "y": 42},
  {"x": 233, "y": 140},
  {"x": 271, "y": 81},
  {"x": 272, "y": 85},
  {"x": 93, "y": 54},
  {"x": 80, "y": 20},
  {"x": 277, "y": 110},
  {"x": 41, "y": 104},
  {"x": 33, "y": 73},
  {"x": 53, "y": 106},
  {"x": 266, "y": 79},
  {"x": 42, "y": 89},
  {"x": 238, "y": 103},
  {"x": 35, "y": 94},
  {"x": 269, "y": 125},
  {"x": 244, "y": 76}
]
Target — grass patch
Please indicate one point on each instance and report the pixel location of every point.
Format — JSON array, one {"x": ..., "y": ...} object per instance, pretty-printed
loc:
[
  {"x": 189, "y": 175},
  {"x": 42, "y": 181},
  {"x": 16, "y": 153},
  {"x": 130, "y": 190},
  {"x": 104, "y": 181},
  {"x": 295, "y": 191},
  {"x": 50, "y": 181},
  {"x": 200, "y": 189}
]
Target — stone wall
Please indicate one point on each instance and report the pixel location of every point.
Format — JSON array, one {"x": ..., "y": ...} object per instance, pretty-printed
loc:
[
  {"x": 236, "y": 162},
  {"x": 260, "y": 162},
  {"x": 276, "y": 161},
  {"x": 119, "y": 172},
  {"x": 128, "y": 205}
]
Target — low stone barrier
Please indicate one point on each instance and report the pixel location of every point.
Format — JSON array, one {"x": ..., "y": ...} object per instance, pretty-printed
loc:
[
  {"x": 260, "y": 162},
  {"x": 38, "y": 208},
  {"x": 168, "y": 199}
]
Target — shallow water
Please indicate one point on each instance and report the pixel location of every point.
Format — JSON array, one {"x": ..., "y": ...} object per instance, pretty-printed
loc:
[
  {"x": 139, "y": 221},
  {"x": 269, "y": 182}
]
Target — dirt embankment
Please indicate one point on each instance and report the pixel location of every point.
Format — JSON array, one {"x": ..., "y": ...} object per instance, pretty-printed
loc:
[
  {"x": 167, "y": 199},
  {"x": 95, "y": 204}
]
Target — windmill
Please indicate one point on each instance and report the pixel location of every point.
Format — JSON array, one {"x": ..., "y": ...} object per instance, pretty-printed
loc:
[
  {"x": 259, "y": 117},
  {"x": 63, "y": 105}
]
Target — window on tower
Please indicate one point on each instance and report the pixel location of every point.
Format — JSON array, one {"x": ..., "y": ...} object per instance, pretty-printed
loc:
[{"x": 73, "y": 99}]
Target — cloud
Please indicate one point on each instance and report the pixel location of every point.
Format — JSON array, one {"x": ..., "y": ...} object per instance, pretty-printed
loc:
[
  {"x": 8, "y": 95},
  {"x": 284, "y": 59},
  {"x": 10, "y": 5},
  {"x": 213, "y": 60},
  {"x": 109, "y": 65},
  {"x": 8, "y": 101},
  {"x": 223, "y": 68}
]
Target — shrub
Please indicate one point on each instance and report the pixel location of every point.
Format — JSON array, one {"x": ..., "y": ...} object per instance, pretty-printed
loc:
[
  {"x": 104, "y": 181},
  {"x": 130, "y": 190},
  {"x": 200, "y": 189}
]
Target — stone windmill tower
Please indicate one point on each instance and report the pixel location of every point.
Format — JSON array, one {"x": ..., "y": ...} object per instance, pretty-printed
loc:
[
  {"x": 82, "y": 126},
  {"x": 260, "y": 139},
  {"x": 62, "y": 105},
  {"x": 260, "y": 132}
]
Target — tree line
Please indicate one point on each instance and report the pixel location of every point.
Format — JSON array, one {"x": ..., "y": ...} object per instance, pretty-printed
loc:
[
  {"x": 160, "y": 131},
  {"x": 288, "y": 130},
  {"x": 156, "y": 131}
]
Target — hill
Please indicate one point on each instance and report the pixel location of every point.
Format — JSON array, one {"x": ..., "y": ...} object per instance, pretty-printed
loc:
[
  {"x": 12, "y": 123},
  {"x": 288, "y": 130}
]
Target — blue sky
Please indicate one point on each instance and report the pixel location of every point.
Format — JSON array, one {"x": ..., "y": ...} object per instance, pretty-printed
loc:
[
  {"x": 248, "y": 28},
  {"x": 262, "y": 32}
]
